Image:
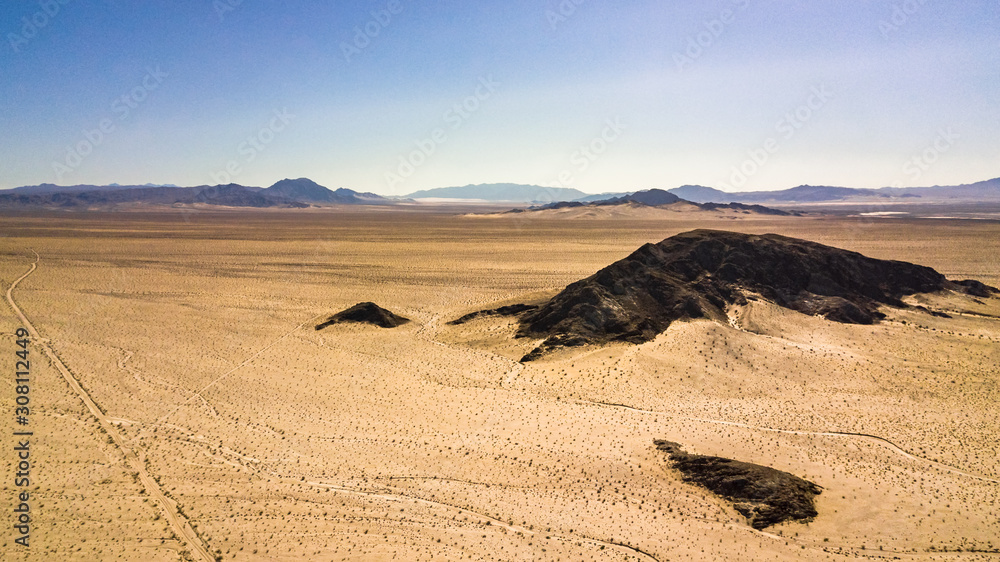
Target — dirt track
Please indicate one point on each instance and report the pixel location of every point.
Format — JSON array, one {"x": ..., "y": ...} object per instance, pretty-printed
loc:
[{"x": 179, "y": 523}]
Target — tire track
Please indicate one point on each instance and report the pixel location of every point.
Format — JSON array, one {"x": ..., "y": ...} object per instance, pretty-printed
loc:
[
  {"x": 429, "y": 331},
  {"x": 863, "y": 436},
  {"x": 180, "y": 524},
  {"x": 494, "y": 522},
  {"x": 136, "y": 374},
  {"x": 218, "y": 379}
]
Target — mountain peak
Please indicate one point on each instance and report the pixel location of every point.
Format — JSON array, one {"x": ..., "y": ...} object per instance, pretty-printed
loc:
[
  {"x": 302, "y": 189},
  {"x": 305, "y": 189}
]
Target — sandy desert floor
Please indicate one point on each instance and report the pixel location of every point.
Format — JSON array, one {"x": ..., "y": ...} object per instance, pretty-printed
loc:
[{"x": 185, "y": 408}]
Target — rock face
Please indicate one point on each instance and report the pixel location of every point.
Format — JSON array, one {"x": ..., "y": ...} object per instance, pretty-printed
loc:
[
  {"x": 763, "y": 495},
  {"x": 509, "y": 310},
  {"x": 697, "y": 274},
  {"x": 367, "y": 313}
]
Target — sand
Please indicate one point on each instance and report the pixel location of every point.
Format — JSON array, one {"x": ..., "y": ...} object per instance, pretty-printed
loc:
[{"x": 193, "y": 333}]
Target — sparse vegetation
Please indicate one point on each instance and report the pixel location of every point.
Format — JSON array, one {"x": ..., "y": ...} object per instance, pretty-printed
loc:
[{"x": 194, "y": 332}]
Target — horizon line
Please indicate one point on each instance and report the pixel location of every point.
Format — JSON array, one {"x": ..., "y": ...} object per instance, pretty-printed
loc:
[{"x": 171, "y": 185}]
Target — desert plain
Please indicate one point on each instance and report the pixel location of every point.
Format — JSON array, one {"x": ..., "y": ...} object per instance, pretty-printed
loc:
[{"x": 185, "y": 408}]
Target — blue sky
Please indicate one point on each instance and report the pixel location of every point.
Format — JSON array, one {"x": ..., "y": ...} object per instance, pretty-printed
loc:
[{"x": 396, "y": 96}]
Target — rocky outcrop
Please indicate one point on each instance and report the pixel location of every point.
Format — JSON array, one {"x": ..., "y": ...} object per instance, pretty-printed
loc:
[
  {"x": 366, "y": 313},
  {"x": 509, "y": 310},
  {"x": 697, "y": 274},
  {"x": 763, "y": 495}
]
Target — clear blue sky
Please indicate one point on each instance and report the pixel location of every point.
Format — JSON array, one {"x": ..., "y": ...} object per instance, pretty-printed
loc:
[{"x": 180, "y": 86}]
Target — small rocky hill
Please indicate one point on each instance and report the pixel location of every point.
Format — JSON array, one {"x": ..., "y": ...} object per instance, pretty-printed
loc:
[
  {"x": 764, "y": 495},
  {"x": 365, "y": 313}
]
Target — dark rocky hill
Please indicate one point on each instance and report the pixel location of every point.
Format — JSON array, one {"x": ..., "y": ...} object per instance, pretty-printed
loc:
[
  {"x": 764, "y": 495},
  {"x": 698, "y": 274},
  {"x": 509, "y": 310},
  {"x": 366, "y": 313}
]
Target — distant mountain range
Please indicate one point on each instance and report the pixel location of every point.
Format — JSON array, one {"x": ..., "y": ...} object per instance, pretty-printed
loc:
[
  {"x": 988, "y": 190},
  {"x": 52, "y": 188},
  {"x": 655, "y": 198},
  {"x": 287, "y": 193},
  {"x": 304, "y": 192},
  {"x": 505, "y": 192}
]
